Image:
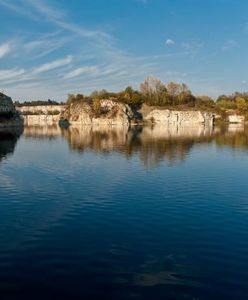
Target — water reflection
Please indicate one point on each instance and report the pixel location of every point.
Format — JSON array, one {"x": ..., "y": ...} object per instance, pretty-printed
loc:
[
  {"x": 154, "y": 144},
  {"x": 151, "y": 144},
  {"x": 8, "y": 141},
  {"x": 42, "y": 132}
]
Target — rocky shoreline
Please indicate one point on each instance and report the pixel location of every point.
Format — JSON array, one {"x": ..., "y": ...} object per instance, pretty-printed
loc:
[{"x": 104, "y": 112}]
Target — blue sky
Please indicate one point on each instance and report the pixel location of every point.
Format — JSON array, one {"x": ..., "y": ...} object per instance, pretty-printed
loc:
[{"x": 49, "y": 48}]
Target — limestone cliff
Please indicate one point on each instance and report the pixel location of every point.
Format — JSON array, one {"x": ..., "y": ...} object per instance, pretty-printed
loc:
[
  {"x": 41, "y": 110},
  {"x": 104, "y": 112},
  {"x": 41, "y": 115},
  {"x": 173, "y": 117}
]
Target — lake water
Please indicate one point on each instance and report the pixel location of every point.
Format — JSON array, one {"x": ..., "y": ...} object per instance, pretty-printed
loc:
[{"x": 100, "y": 213}]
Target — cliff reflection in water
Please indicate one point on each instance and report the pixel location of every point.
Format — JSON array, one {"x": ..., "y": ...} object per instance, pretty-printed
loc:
[
  {"x": 8, "y": 141},
  {"x": 152, "y": 144}
]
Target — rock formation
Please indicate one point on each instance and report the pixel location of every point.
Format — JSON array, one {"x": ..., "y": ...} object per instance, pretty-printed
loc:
[
  {"x": 180, "y": 118},
  {"x": 105, "y": 112},
  {"x": 6, "y": 105},
  {"x": 41, "y": 115},
  {"x": 8, "y": 115}
]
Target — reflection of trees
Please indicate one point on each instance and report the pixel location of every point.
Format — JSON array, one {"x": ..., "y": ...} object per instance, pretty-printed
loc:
[
  {"x": 42, "y": 132},
  {"x": 235, "y": 137},
  {"x": 99, "y": 139},
  {"x": 152, "y": 144},
  {"x": 8, "y": 140}
]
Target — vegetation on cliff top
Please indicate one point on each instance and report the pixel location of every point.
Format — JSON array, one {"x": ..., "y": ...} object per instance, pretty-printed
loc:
[
  {"x": 37, "y": 103},
  {"x": 154, "y": 92}
]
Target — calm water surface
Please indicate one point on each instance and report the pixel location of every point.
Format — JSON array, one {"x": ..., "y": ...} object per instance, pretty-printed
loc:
[{"x": 149, "y": 213}]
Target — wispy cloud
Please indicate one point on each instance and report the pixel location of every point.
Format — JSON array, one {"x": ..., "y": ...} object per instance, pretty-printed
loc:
[
  {"x": 98, "y": 62},
  {"x": 45, "y": 45},
  {"x": 53, "y": 65},
  {"x": 4, "y": 49},
  {"x": 11, "y": 74},
  {"x": 83, "y": 70}
]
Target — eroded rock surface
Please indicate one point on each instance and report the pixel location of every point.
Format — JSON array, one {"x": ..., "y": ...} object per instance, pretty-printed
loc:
[
  {"x": 181, "y": 118},
  {"x": 109, "y": 112}
]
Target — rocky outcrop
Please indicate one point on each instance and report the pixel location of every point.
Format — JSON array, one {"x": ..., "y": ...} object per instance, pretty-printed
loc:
[
  {"x": 104, "y": 112},
  {"x": 180, "y": 118},
  {"x": 6, "y": 105},
  {"x": 9, "y": 117}
]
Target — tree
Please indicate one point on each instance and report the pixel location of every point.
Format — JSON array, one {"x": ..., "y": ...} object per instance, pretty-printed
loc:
[
  {"x": 204, "y": 102},
  {"x": 154, "y": 90},
  {"x": 174, "y": 89},
  {"x": 242, "y": 105}
]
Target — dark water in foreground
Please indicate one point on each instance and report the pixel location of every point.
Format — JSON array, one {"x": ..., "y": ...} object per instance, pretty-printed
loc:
[{"x": 109, "y": 214}]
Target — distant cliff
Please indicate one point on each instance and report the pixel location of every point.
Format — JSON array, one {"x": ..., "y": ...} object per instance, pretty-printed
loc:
[
  {"x": 41, "y": 114},
  {"x": 112, "y": 112}
]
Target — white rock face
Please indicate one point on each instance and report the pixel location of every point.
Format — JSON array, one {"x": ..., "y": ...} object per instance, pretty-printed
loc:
[
  {"x": 41, "y": 115},
  {"x": 41, "y": 109},
  {"x": 182, "y": 118},
  {"x": 112, "y": 113},
  {"x": 236, "y": 119},
  {"x": 34, "y": 120}
]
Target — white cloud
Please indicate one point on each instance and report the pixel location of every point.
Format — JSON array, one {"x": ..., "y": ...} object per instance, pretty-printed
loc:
[
  {"x": 4, "y": 49},
  {"x": 83, "y": 70},
  {"x": 10, "y": 74},
  {"x": 169, "y": 42},
  {"x": 44, "y": 45},
  {"x": 244, "y": 82},
  {"x": 53, "y": 65}
]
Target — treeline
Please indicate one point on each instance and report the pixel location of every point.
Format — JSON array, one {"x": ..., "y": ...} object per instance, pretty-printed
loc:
[
  {"x": 36, "y": 103},
  {"x": 152, "y": 92},
  {"x": 236, "y": 101}
]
